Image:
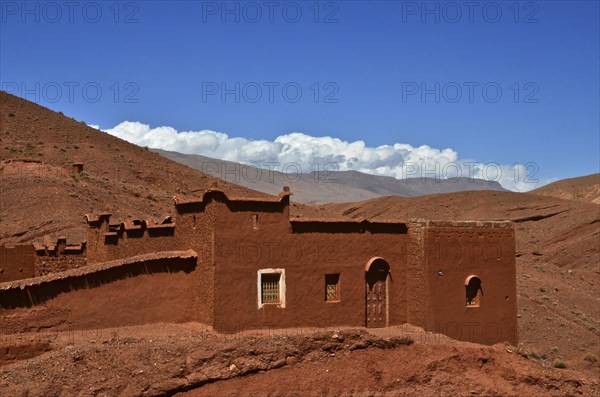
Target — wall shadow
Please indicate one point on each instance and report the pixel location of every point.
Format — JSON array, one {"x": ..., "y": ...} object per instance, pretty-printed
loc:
[{"x": 38, "y": 294}]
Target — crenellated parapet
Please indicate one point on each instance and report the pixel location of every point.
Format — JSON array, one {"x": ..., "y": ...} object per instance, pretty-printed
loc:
[
  {"x": 108, "y": 240},
  {"x": 50, "y": 246}
]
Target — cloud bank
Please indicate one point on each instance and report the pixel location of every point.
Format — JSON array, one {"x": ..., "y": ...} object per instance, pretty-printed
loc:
[{"x": 309, "y": 153}]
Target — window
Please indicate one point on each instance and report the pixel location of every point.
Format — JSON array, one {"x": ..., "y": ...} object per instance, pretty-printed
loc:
[
  {"x": 255, "y": 221},
  {"x": 473, "y": 288},
  {"x": 332, "y": 287},
  {"x": 271, "y": 287}
]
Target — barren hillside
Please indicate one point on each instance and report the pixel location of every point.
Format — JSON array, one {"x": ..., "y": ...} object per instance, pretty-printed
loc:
[
  {"x": 584, "y": 188},
  {"x": 39, "y": 193}
]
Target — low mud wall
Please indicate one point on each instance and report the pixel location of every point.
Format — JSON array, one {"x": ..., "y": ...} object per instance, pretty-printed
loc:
[
  {"x": 16, "y": 262},
  {"x": 138, "y": 290}
]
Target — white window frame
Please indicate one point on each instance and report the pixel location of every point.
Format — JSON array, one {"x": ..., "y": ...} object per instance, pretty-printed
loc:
[{"x": 259, "y": 274}]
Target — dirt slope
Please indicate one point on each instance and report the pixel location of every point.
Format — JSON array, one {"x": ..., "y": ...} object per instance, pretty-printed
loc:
[
  {"x": 42, "y": 195},
  {"x": 163, "y": 359},
  {"x": 584, "y": 188}
]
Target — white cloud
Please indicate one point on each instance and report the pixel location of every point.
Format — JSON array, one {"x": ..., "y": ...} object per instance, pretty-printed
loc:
[{"x": 398, "y": 160}]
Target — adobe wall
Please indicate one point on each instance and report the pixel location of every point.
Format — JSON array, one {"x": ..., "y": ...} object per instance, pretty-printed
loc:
[
  {"x": 132, "y": 277},
  {"x": 47, "y": 264},
  {"x": 415, "y": 280},
  {"x": 192, "y": 228},
  {"x": 142, "y": 290},
  {"x": 16, "y": 262},
  {"x": 106, "y": 241},
  {"x": 455, "y": 251},
  {"x": 57, "y": 255},
  {"x": 307, "y": 251},
  {"x": 196, "y": 224}
]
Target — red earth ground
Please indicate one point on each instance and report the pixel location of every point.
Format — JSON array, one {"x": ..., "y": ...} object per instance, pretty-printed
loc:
[{"x": 165, "y": 359}]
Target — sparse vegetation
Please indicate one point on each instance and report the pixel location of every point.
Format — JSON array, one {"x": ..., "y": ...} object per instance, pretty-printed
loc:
[
  {"x": 535, "y": 356},
  {"x": 590, "y": 358},
  {"x": 412, "y": 379},
  {"x": 558, "y": 363}
]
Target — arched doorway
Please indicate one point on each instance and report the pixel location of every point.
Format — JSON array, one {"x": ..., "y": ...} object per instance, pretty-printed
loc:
[
  {"x": 376, "y": 302},
  {"x": 473, "y": 290}
]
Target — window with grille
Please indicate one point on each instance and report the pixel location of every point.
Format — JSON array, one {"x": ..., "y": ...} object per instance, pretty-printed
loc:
[
  {"x": 271, "y": 287},
  {"x": 332, "y": 287}
]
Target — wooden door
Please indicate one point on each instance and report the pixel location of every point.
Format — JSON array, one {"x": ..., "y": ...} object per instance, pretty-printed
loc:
[{"x": 376, "y": 295}]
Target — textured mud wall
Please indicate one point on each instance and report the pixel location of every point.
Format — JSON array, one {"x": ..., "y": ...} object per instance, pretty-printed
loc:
[
  {"x": 195, "y": 223},
  {"x": 47, "y": 264},
  {"x": 233, "y": 239},
  {"x": 147, "y": 291},
  {"x": 16, "y": 262},
  {"x": 307, "y": 252},
  {"x": 454, "y": 252},
  {"x": 105, "y": 245},
  {"x": 415, "y": 280}
]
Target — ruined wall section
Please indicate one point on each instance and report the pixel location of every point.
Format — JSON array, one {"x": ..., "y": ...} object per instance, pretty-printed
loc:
[
  {"x": 110, "y": 241},
  {"x": 53, "y": 256},
  {"x": 455, "y": 252},
  {"x": 16, "y": 262}
]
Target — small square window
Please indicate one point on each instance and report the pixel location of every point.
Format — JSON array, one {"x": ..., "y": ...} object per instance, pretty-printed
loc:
[
  {"x": 332, "y": 287},
  {"x": 271, "y": 287}
]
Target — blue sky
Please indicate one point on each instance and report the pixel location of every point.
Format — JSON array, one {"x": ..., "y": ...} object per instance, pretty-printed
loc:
[{"x": 500, "y": 82}]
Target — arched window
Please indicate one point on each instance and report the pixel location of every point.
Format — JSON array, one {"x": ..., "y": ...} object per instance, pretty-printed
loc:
[{"x": 473, "y": 290}]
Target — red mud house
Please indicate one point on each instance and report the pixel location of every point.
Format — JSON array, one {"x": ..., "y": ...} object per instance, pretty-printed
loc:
[{"x": 239, "y": 263}]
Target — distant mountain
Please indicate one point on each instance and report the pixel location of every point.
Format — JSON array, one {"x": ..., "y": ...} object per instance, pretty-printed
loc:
[
  {"x": 583, "y": 188},
  {"x": 326, "y": 187}
]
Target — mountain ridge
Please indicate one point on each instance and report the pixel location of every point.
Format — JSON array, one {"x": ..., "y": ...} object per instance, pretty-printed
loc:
[{"x": 319, "y": 187}]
